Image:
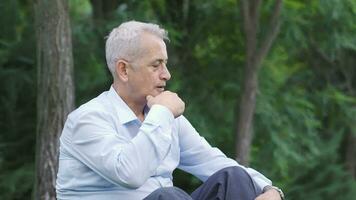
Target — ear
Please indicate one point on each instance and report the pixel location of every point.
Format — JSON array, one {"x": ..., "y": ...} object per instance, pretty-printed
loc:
[{"x": 121, "y": 70}]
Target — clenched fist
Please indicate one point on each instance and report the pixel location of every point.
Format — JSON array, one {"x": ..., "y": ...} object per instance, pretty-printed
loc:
[{"x": 169, "y": 100}]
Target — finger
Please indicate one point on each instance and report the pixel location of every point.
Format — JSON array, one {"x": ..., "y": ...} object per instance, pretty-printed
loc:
[{"x": 149, "y": 97}]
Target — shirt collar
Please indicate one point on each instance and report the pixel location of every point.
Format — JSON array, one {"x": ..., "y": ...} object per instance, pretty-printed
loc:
[{"x": 124, "y": 112}]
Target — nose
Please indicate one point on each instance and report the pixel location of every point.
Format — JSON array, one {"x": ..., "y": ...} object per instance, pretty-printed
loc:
[{"x": 165, "y": 75}]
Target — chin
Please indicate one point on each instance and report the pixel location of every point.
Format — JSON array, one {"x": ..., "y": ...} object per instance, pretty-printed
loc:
[{"x": 156, "y": 92}]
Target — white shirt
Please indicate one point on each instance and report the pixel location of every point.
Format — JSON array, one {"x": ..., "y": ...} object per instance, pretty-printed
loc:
[{"x": 106, "y": 152}]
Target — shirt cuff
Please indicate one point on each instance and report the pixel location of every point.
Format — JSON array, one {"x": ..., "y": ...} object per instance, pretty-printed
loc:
[{"x": 262, "y": 184}]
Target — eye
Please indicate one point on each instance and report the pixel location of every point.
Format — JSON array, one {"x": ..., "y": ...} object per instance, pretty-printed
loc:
[{"x": 158, "y": 64}]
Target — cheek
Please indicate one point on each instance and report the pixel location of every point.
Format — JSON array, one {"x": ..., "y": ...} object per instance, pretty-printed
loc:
[
  {"x": 151, "y": 79},
  {"x": 147, "y": 82}
]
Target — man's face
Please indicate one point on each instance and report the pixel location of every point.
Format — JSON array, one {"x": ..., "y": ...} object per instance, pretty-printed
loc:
[{"x": 148, "y": 74}]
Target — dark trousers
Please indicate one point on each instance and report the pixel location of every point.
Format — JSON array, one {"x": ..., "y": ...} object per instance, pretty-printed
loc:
[{"x": 229, "y": 183}]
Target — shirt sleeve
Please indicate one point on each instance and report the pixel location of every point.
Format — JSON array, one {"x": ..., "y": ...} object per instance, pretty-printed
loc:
[
  {"x": 200, "y": 159},
  {"x": 93, "y": 140}
]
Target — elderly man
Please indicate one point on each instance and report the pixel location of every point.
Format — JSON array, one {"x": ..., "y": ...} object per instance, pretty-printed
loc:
[{"x": 125, "y": 143}]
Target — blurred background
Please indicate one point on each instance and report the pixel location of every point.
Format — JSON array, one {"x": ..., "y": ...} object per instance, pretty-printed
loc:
[{"x": 303, "y": 129}]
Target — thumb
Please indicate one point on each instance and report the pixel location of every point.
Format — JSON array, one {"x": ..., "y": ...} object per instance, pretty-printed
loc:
[
  {"x": 149, "y": 100},
  {"x": 149, "y": 97}
]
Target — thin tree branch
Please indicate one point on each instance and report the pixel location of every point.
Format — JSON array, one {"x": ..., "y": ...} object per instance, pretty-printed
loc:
[
  {"x": 249, "y": 30},
  {"x": 156, "y": 10},
  {"x": 255, "y": 13},
  {"x": 320, "y": 53},
  {"x": 271, "y": 35},
  {"x": 185, "y": 11},
  {"x": 245, "y": 12}
]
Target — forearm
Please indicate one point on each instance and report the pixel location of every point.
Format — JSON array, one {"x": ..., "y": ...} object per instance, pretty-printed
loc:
[{"x": 124, "y": 161}]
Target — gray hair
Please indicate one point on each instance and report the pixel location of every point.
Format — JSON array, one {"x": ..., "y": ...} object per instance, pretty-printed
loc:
[{"x": 124, "y": 41}]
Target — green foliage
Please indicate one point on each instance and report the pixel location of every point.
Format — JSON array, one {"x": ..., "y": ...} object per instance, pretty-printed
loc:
[
  {"x": 302, "y": 132},
  {"x": 18, "y": 101},
  {"x": 305, "y": 104}
]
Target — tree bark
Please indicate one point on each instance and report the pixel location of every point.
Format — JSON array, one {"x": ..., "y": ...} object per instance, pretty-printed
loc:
[
  {"x": 254, "y": 57},
  {"x": 102, "y": 9},
  {"x": 351, "y": 155},
  {"x": 55, "y": 89}
]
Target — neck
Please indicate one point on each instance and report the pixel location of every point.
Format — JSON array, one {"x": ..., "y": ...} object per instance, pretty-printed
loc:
[{"x": 137, "y": 106}]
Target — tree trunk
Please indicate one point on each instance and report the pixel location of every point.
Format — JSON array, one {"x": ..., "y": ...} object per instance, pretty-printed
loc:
[
  {"x": 254, "y": 57},
  {"x": 246, "y": 111},
  {"x": 351, "y": 155},
  {"x": 55, "y": 89},
  {"x": 102, "y": 9}
]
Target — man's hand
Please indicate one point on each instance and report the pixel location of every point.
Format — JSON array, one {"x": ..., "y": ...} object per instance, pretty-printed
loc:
[
  {"x": 169, "y": 100},
  {"x": 270, "y": 194}
]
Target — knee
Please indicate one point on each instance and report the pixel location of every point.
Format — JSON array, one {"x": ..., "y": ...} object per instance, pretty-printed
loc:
[
  {"x": 165, "y": 191},
  {"x": 168, "y": 193},
  {"x": 237, "y": 176},
  {"x": 168, "y": 190},
  {"x": 231, "y": 182},
  {"x": 235, "y": 173}
]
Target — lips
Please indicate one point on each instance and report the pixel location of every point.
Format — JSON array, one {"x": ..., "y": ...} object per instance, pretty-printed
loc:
[{"x": 161, "y": 87}]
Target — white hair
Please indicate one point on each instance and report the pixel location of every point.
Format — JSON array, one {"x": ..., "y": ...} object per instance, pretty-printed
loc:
[{"x": 124, "y": 41}]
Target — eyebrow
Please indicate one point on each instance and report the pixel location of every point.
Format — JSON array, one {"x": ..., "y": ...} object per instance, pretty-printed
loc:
[{"x": 160, "y": 61}]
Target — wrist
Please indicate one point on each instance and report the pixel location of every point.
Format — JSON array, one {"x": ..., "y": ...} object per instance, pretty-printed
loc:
[{"x": 270, "y": 187}]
